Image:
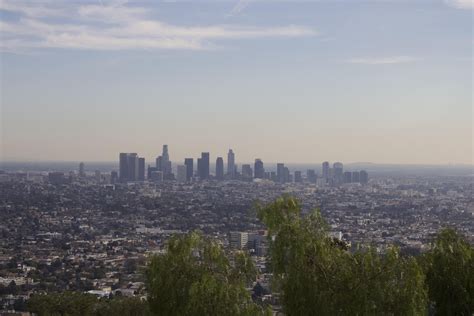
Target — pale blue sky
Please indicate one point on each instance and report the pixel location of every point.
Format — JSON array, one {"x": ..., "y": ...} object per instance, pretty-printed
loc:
[{"x": 379, "y": 81}]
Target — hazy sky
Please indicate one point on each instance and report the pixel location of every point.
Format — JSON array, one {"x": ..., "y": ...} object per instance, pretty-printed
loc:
[{"x": 379, "y": 81}]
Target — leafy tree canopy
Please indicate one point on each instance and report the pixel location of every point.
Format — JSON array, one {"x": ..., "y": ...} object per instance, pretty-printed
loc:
[
  {"x": 195, "y": 277},
  {"x": 450, "y": 274},
  {"x": 318, "y": 277}
]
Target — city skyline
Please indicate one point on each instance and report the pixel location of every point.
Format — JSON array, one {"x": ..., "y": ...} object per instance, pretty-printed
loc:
[{"x": 358, "y": 81}]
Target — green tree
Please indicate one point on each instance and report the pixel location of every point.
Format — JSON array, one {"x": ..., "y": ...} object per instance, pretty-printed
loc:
[
  {"x": 317, "y": 276},
  {"x": 124, "y": 306},
  {"x": 80, "y": 304},
  {"x": 64, "y": 304},
  {"x": 195, "y": 277},
  {"x": 450, "y": 274}
]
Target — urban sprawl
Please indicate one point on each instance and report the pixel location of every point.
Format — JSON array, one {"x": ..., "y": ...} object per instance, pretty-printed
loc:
[{"x": 92, "y": 232}]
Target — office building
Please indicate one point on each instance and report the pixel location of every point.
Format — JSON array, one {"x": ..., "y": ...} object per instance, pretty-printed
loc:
[
  {"x": 311, "y": 175},
  {"x": 325, "y": 172},
  {"x": 181, "y": 173},
  {"x": 247, "y": 172},
  {"x": 132, "y": 167},
  {"x": 298, "y": 177},
  {"x": 189, "y": 163},
  {"x": 280, "y": 175},
  {"x": 219, "y": 168},
  {"x": 141, "y": 169},
  {"x": 203, "y": 166},
  {"x": 356, "y": 177},
  {"x": 338, "y": 173},
  {"x": 158, "y": 163},
  {"x": 347, "y": 177},
  {"x": 123, "y": 167},
  {"x": 364, "y": 177},
  {"x": 163, "y": 164},
  {"x": 287, "y": 177},
  {"x": 238, "y": 240},
  {"x": 149, "y": 171},
  {"x": 259, "y": 170},
  {"x": 128, "y": 167},
  {"x": 231, "y": 164}
]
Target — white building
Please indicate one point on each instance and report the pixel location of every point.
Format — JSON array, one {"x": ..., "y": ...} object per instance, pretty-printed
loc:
[{"x": 238, "y": 240}]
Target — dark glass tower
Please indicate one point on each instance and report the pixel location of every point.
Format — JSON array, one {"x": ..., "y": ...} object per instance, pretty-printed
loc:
[
  {"x": 219, "y": 168},
  {"x": 203, "y": 166},
  {"x": 141, "y": 169},
  {"x": 189, "y": 163},
  {"x": 259, "y": 170}
]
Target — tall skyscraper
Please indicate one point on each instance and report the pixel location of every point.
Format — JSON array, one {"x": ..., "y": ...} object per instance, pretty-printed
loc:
[
  {"x": 123, "y": 167},
  {"x": 259, "y": 170},
  {"x": 298, "y": 177},
  {"x": 326, "y": 170},
  {"x": 141, "y": 169},
  {"x": 132, "y": 167},
  {"x": 203, "y": 166},
  {"x": 286, "y": 175},
  {"x": 231, "y": 163},
  {"x": 189, "y": 163},
  {"x": 181, "y": 173},
  {"x": 364, "y": 177},
  {"x": 338, "y": 173},
  {"x": 347, "y": 177},
  {"x": 355, "y": 176},
  {"x": 165, "y": 154},
  {"x": 158, "y": 163},
  {"x": 166, "y": 163},
  {"x": 311, "y": 176},
  {"x": 280, "y": 172},
  {"x": 199, "y": 167},
  {"x": 82, "y": 172},
  {"x": 219, "y": 168},
  {"x": 129, "y": 167}
]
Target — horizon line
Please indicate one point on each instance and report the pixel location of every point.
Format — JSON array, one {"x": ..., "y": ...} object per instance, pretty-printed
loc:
[{"x": 448, "y": 164}]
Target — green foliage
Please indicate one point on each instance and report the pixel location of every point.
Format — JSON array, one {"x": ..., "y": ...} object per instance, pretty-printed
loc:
[
  {"x": 127, "y": 306},
  {"x": 194, "y": 277},
  {"x": 79, "y": 304},
  {"x": 450, "y": 274},
  {"x": 66, "y": 303},
  {"x": 318, "y": 277}
]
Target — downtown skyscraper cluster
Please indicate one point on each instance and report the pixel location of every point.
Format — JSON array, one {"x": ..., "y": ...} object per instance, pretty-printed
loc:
[{"x": 132, "y": 168}]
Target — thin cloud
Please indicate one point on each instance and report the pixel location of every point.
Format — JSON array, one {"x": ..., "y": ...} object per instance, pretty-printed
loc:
[
  {"x": 119, "y": 27},
  {"x": 461, "y": 4},
  {"x": 239, "y": 7},
  {"x": 32, "y": 9},
  {"x": 383, "y": 60}
]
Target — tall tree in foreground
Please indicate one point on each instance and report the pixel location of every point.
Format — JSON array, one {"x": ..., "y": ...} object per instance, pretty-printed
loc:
[
  {"x": 194, "y": 277},
  {"x": 450, "y": 274},
  {"x": 81, "y": 304},
  {"x": 316, "y": 276}
]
